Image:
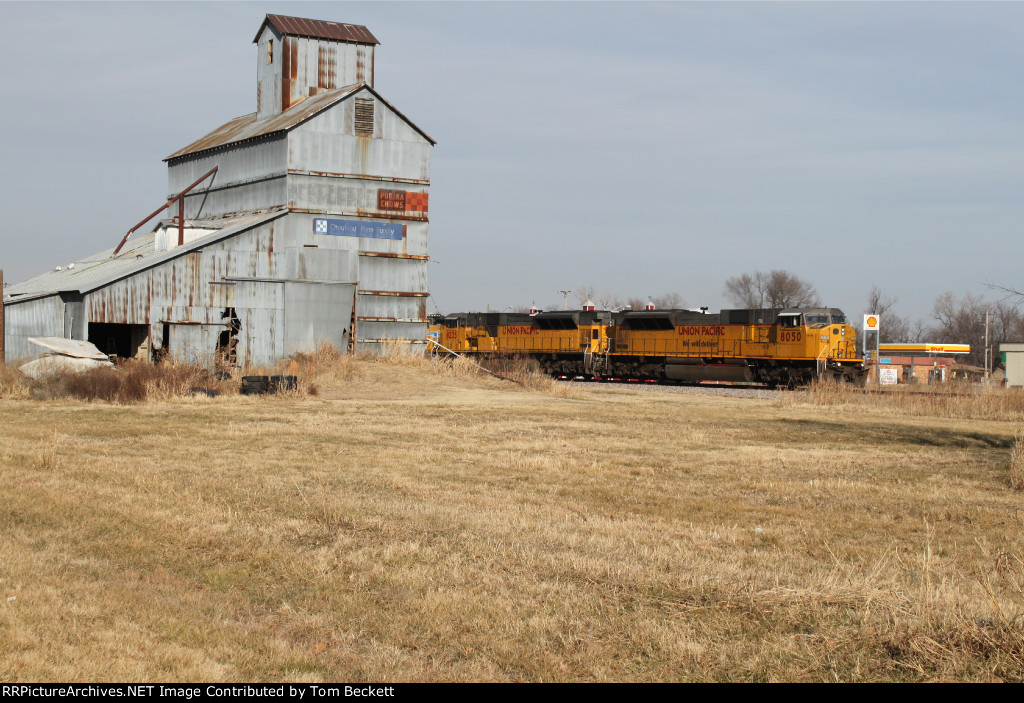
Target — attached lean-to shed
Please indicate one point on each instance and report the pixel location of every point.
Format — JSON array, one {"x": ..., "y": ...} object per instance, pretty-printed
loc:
[{"x": 308, "y": 225}]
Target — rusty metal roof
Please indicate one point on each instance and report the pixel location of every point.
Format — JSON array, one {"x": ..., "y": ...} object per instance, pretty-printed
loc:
[
  {"x": 247, "y": 127},
  {"x": 318, "y": 29},
  {"x": 140, "y": 253}
]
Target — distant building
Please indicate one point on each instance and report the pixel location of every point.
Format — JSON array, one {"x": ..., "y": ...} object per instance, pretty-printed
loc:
[
  {"x": 312, "y": 228},
  {"x": 926, "y": 362},
  {"x": 1013, "y": 358}
]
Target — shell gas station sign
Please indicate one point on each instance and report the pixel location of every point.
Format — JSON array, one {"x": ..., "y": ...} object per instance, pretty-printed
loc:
[{"x": 871, "y": 323}]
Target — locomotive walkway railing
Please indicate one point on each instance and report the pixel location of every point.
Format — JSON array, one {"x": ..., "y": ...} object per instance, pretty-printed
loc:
[{"x": 823, "y": 362}]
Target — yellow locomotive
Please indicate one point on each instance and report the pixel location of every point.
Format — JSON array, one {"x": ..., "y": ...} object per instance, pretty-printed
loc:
[{"x": 775, "y": 347}]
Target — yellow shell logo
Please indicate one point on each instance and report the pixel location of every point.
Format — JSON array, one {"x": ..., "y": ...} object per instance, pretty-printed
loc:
[{"x": 872, "y": 321}]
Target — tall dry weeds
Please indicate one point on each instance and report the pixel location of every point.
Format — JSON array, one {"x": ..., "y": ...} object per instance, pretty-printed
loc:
[
  {"x": 130, "y": 382},
  {"x": 1016, "y": 469},
  {"x": 952, "y": 400},
  {"x": 13, "y": 383}
]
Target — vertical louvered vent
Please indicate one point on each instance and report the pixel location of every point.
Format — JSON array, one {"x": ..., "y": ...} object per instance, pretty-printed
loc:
[{"x": 364, "y": 117}]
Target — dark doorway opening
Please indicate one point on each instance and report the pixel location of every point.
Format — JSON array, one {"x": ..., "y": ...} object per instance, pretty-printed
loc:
[
  {"x": 227, "y": 341},
  {"x": 119, "y": 340}
]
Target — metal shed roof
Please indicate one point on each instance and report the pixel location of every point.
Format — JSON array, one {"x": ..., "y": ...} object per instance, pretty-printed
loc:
[
  {"x": 247, "y": 127},
  {"x": 139, "y": 254},
  {"x": 317, "y": 29}
]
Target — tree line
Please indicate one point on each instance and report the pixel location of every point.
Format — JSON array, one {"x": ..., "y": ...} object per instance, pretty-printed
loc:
[{"x": 955, "y": 319}]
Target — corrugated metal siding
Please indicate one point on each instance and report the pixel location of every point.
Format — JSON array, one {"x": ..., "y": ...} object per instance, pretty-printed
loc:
[
  {"x": 393, "y": 275},
  {"x": 42, "y": 317},
  {"x": 243, "y": 162},
  {"x": 389, "y": 307},
  {"x": 268, "y": 75},
  {"x": 329, "y": 144},
  {"x": 321, "y": 264},
  {"x": 195, "y": 289},
  {"x": 194, "y": 344},
  {"x": 317, "y": 65},
  {"x": 316, "y": 313}
]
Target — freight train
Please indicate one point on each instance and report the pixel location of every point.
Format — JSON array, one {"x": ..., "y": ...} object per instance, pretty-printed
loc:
[{"x": 787, "y": 347}]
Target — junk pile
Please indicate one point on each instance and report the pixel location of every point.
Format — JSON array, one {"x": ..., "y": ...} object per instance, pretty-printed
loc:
[
  {"x": 259, "y": 385},
  {"x": 66, "y": 356}
]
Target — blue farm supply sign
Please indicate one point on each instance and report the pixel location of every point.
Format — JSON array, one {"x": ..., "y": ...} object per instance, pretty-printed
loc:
[{"x": 357, "y": 228}]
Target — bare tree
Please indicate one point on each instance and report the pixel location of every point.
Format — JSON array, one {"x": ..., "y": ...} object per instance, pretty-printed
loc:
[
  {"x": 601, "y": 300},
  {"x": 893, "y": 328},
  {"x": 665, "y": 301},
  {"x": 668, "y": 301},
  {"x": 962, "y": 321},
  {"x": 746, "y": 291},
  {"x": 775, "y": 289}
]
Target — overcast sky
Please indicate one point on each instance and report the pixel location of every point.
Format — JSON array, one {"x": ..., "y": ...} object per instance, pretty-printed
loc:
[{"x": 639, "y": 148}]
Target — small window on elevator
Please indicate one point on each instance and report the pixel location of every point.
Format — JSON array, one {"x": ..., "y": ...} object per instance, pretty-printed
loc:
[{"x": 270, "y": 51}]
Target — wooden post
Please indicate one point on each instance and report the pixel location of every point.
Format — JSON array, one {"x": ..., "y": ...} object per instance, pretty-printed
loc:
[{"x": 3, "y": 358}]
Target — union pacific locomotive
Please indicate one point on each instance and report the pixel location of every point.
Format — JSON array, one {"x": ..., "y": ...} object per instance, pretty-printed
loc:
[{"x": 788, "y": 347}]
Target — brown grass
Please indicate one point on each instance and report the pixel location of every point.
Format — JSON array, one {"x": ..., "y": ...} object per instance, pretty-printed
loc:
[
  {"x": 951, "y": 400},
  {"x": 1016, "y": 468},
  {"x": 130, "y": 382},
  {"x": 412, "y": 522}
]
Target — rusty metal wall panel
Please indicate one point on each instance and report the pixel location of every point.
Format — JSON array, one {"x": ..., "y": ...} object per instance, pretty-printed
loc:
[
  {"x": 338, "y": 196},
  {"x": 194, "y": 344},
  {"x": 261, "y": 337},
  {"x": 42, "y": 317},
  {"x": 250, "y": 177},
  {"x": 387, "y": 307},
  {"x": 376, "y": 337},
  {"x": 310, "y": 264},
  {"x": 316, "y": 313},
  {"x": 251, "y": 197},
  {"x": 328, "y": 144},
  {"x": 317, "y": 65},
  {"x": 391, "y": 330},
  {"x": 260, "y": 309},
  {"x": 397, "y": 275},
  {"x": 310, "y": 66},
  {"x": 268, "y": 75},
  {"x": 236, "y": 164}
]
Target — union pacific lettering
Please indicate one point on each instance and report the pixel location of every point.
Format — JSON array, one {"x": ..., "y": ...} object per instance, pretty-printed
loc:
[
  {"x": 518, "y": 329},
  {"x": 701, "y": 330}
]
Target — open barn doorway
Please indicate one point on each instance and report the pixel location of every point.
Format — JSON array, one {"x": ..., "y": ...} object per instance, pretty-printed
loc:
[{"x": 124, "y": 341}]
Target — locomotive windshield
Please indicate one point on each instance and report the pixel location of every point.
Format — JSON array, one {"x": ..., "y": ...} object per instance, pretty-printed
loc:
[{"x": 816, "y": 317}]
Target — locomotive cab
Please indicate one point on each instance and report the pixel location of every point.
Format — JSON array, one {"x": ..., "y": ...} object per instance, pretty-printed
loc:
[{"x": 822, "y": 334}]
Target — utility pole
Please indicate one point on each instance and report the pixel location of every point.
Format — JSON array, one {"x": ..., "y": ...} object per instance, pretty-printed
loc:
[
  {"x": 565, "y": 298},
  {"x": 988, "y": 367}
]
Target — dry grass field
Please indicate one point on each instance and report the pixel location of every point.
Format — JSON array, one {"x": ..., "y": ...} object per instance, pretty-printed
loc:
[{"x": 398, "y": 521}]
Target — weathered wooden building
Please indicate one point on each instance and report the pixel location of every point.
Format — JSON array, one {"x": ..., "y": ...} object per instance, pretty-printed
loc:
[{"x": 301, "y": 223}]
